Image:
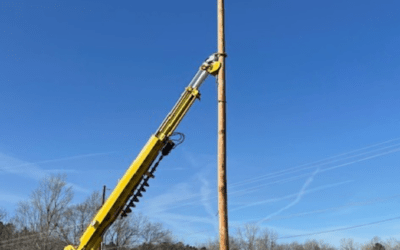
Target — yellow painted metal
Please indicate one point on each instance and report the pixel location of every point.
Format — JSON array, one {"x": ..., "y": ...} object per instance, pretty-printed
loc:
[
  {"x": 178, "y": 112},
  {"x": 109, "y": 212},
  {"x": 214, "y": 68},
  {"x": 69, "y": 247},
  {"x": 91, "y": 239}
]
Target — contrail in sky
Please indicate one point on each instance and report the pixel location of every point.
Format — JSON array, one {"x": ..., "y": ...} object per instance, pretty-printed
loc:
[
  {"x": 318, "y": 163},
  {"x": 56, "y": 160},
  {"x": 362, "y": 159},
  {"x": 33, "y": 171},
  {"x": 243, "y": 192},
  {"x": 298, "y": 198},
  {"x": 302, "y": 191},
  {"x": 349, "y": 205}
]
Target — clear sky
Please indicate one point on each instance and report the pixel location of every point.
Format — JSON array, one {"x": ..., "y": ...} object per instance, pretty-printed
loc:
[{"x": 312, "y": 122}]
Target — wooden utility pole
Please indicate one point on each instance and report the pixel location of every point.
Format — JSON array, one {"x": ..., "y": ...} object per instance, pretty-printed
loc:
[
  {"x": 103, "y": 200},
  {"x": 222, "y": 187},
  {"x": 104, "y": 195}
]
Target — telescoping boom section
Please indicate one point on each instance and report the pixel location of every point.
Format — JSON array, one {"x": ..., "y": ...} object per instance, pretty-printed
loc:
[{"x": 135, "y": 179}]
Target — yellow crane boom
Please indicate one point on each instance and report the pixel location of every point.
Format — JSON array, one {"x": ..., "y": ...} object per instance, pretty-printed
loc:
[{"x": 135, "y": 179}]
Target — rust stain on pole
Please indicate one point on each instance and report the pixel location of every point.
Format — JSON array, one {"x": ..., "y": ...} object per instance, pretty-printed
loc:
[{"x": 222, "y": 186}]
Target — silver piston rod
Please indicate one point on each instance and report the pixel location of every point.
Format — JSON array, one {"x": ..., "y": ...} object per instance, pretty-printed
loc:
[{"x": 196, "y": 82}]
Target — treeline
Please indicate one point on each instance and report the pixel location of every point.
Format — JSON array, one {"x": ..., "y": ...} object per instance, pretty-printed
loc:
[
  {"x": 252, "y": 237},
  {"x": 48, "y": 221}
]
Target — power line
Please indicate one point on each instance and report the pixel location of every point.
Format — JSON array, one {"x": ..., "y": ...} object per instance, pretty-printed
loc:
[
  {"x": 298, "y": 168},
  {"x": 322, "y": 232},
  {"x": 301, "y": 168},
  {"x": 26, "y": 238},
  {"x": 275, "y": 174},
  {"x": 357, "y": 204},
  {"x": 323, "y": 161},
  {"x": 294, "y": 177},
  {"x": 340, "y": 229}
]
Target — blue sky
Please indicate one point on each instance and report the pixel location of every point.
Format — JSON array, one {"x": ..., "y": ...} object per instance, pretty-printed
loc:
[{"x": 312, "y": 122}]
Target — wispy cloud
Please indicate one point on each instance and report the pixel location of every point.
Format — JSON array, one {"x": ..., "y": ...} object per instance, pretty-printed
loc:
[
  {"x": 290, "y": 196},
  {"x": 61, "y": 170},
  {"x": 170, "y": 197},
  {"x": 206, "y": 200},
  {"x": 10, "y": 198},
  {"x": 326, "y": 164},
  {"x": 168, "y": 208},
  {"x": 177, "y": 169},
  {"x": 159, "y": 208},
  {"x": 11, "y": 165},
  {"x": 296, "y": 200},
  {"x": 345, "y": 209},
  {"x": 362, "y": 159},
  {"x": 24, "y": 164},
  {"x": 330, "y": 238},
  {"x": 196, "y": 196},
  {"x": 31, "y": 170}
]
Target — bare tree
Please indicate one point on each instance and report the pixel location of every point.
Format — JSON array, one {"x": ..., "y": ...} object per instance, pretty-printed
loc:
[
  {"x": 266, "y": 240},
  {"x": 122, "y": 233},
  {"x": 252, "y": 237},
  {"x": 247, "y": 236},
  {"x": 7, "y": 232},
  {"x": 371, "y": 245},
  {"x": 325, "y": 246},
  {"x": 295, "y": 246},
  {"x": 3, "y": 215},
  {"x": 136, "y": 229},
  {"x": 311, "y": 245},
  {"x": 348, "y": 244},
  {"x": 392, "y": 244},
  {"x": 42, "y": 213},
  {"x": 213, "y": 244},
  {"x": 378, "y": 246},
  {"x": 155, "y": 233},
  {"x": 234, "y": 243},
  {"x": 76, "y": 218}
]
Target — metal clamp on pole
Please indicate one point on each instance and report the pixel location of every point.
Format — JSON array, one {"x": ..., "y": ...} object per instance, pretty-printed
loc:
[{"x": 210, "y": 66}]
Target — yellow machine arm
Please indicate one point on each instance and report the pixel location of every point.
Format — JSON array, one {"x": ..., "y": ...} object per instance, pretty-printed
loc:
[{"x": 136, "y": 178}]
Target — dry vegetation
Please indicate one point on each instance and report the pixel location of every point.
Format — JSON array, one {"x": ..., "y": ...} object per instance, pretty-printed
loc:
[{"x": 48, "y": 221}]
